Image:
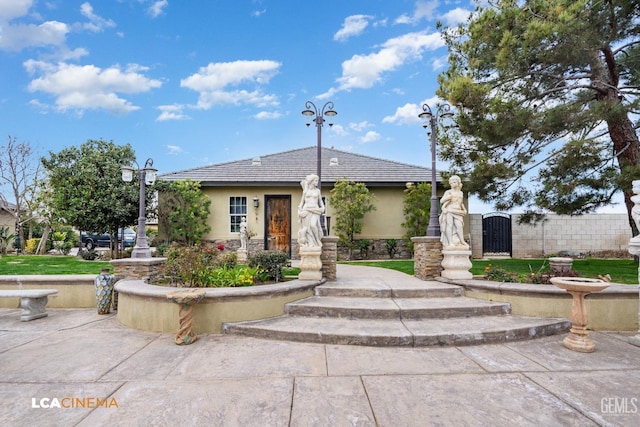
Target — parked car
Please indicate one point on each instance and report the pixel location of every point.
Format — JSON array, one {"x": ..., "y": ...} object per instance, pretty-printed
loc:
[{"x": 91, "y": 241}]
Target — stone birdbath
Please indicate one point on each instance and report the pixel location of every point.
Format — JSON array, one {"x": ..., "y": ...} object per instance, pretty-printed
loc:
[
  {"x": 578, "y": 338},
  {"x": 186, "y": 299}
]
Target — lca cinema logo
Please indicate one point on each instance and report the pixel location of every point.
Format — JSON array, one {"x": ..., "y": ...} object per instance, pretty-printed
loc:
[
  {"x": 619, "y": 405},
  {"x": 73, "y": 402}
]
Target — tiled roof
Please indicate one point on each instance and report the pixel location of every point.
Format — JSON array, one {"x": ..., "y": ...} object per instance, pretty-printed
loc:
[{"x": 290, "y": 167}]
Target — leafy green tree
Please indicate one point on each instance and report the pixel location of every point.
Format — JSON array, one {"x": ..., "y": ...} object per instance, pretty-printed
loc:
[
  {"x": 183, "y": 211},
  {"x": 546, "y": 91},
  {"x": 350, "y": 201},
  {"x": 87, "y": 190},
  {"x": 416, "y": 209}
]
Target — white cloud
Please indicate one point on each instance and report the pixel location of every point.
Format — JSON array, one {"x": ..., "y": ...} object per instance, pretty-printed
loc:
[
  {"x": 157, "y": 8},
  {"x": 171, "y": 112},
  {"x": 268, "y": 115},
  {"x": 87, "y": 87},
  {"x": 339, "y": 130},
  {"x": 364, "y": 71},
  {"x": 455, "y": 16},
  {"x": 423, "y": 10},
  {"x": 359, "y": 127},
  {"x": 370, "y": 136},
  {"x": 258, "y": 13},
  {"x": 20, "y": 36},
  {"x": 213, "y": 82},
  {"x": 353, "y": 26},
  {"x": 174, "y": 150},
  {"x": 407, "y": 114},
  {"x": 10, "y": 9},
  {"x": 96, "y": 23}
]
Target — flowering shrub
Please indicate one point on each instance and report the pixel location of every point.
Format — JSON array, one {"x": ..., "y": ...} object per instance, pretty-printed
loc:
[
  {"x": 221, "y": 247},
  {"x": 204, "y": 266},
  {"x": 269, "y": 264},
  {"x": 499, "y": 274}
]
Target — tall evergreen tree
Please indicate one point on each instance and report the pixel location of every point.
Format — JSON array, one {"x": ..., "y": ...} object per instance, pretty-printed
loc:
[{"x": 547, "y": 94}]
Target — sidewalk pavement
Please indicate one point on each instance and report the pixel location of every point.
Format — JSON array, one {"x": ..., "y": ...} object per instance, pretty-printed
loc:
[{"x": 101, "y": 373}]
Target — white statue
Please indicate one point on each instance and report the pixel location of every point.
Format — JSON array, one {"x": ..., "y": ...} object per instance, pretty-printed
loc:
[
  {"x": 310, "y": 212},
  {"x": 452, "y": 216},
  {"x": 243, "y": 233}
]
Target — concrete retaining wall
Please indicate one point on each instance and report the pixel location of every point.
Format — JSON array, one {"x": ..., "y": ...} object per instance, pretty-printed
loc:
[{"x": 74, "y": 291}]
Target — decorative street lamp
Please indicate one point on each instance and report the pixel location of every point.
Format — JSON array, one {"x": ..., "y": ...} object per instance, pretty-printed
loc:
[
  {"x": 327, "y": 110},
  {"x": 146, "y": 176},
  {"x": 443, "y": 112}
]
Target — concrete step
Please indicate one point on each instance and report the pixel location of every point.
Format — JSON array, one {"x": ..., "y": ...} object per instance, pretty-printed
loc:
[
  {"x": 394, "y": 308},
  {"x": 376, "y": 289},
  {"x": 456, "y": 331}
]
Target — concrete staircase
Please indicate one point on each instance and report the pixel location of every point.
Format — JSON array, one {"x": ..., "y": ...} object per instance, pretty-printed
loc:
[{"x": 379, "y": 307}]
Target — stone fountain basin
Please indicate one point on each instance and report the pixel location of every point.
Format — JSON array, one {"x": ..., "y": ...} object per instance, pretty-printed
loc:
[{"x": 580, "y": 284}]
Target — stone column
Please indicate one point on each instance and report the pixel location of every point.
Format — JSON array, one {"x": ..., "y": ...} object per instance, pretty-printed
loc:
[
  {"x": 329, "y": 257},
  {"x": 138, "y": 268},
  {"x": 427, "y": 257}
]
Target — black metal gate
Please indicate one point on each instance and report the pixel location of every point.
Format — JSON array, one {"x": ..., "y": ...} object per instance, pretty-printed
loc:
[{"x": 496, "y": 234}]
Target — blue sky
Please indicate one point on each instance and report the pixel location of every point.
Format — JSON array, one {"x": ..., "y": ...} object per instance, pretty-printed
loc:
[{"x": 196, "y": 82}]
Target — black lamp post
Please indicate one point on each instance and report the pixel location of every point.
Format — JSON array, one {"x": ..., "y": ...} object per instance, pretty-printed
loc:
[
  {"x": 327, "y": 110},
  {"x": 431, "y": 120},
  {"x": 146, "y": 176}
]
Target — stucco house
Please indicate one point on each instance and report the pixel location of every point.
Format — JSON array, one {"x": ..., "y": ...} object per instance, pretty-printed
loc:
[{"x": 266, "y": 190}]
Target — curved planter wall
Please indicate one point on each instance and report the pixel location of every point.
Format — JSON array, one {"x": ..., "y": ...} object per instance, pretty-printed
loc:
[
  {"x": 74, "y": 290},
  {"x": 614, "y": 309},
  {"x": 145, "y": 307}
]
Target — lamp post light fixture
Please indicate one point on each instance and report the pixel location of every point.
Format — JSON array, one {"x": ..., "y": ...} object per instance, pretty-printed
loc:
[
  {"x": 146, "y": 176},
  {"x": 431, "y": 120},
  {"x": 328, "y": 111}
]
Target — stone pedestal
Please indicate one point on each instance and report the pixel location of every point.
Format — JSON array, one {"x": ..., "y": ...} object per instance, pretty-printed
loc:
[
  {"x": 242, "y": 256},
  {"x": 186, "y": 299},
  {"x": 310, "y": 263},
  {"x": 427, "y": 257},
  {"x": 138, "y": 268},
  {"x": 579, "y": 287},
  {"x": 634, "y": 249},
  {"x": 456, "y": 264},
  {"x": 329, "y": 257}
]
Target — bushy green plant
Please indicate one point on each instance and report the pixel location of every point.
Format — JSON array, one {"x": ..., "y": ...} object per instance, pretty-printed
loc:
[
  {"x": 392, "y": 247},
  {"x": 499, "y": 274},
  {"x": 363, "y": 245},
  {"x": 232, "y": 277},
  {"x": 5, "y": 239},
  {"x": 89, "y": 255},
  {"x": 190, "y": 265},
  {"x": 269, "y": 264}
]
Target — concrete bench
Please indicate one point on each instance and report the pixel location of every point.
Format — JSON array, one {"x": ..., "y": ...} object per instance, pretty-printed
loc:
[{"x": 32, "y": 301}]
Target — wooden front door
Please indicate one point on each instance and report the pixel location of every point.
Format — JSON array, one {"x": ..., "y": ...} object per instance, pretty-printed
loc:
[{"x": 278, "y": 224}]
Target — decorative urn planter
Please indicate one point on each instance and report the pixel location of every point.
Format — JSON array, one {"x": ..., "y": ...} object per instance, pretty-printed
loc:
[{"x": 104, "y": 291}]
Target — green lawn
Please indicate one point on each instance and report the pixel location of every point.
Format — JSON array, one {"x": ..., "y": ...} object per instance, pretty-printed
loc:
[
  {"x": 621, "y": 270},
  {"x": 49, "y": 264}
]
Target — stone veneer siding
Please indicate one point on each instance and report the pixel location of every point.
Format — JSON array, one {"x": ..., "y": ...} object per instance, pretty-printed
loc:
[
  {"x": 329, "y": 257},
  {"x": 146, "y": 269},
  {"x": 427, "y": 257}
]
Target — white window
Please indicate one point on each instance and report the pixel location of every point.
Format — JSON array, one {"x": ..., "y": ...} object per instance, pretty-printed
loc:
[{"x": 237, "y": 209}]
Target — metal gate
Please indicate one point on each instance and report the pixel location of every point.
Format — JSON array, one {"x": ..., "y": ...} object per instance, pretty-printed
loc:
[{"x": 496, "y": 234}]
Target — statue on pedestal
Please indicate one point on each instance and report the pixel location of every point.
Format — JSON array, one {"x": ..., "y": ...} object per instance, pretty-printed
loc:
[
  {"x": 310, "y": 211},
  {"x": 452, "y": 216}
]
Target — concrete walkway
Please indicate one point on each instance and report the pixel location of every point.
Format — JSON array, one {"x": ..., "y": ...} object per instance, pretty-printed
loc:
[{"x": 76, "y": 357}]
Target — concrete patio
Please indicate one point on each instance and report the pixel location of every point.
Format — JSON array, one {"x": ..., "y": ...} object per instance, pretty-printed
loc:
[{"x": 75, "y": 357}]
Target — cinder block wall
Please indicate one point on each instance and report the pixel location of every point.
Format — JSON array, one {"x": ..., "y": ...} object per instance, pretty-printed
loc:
[{"x": 586, "y": 233}]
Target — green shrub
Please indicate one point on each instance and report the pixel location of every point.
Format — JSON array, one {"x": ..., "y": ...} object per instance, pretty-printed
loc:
[
  {"x": 91, "y": 255},
  {"x": 269, "y": 264},
  {"x": 363, "y": 245},
  {"x": 190, "y": 265},
  {"x": 392, "y": 247},
  {"x": 499, "y": 274}
]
